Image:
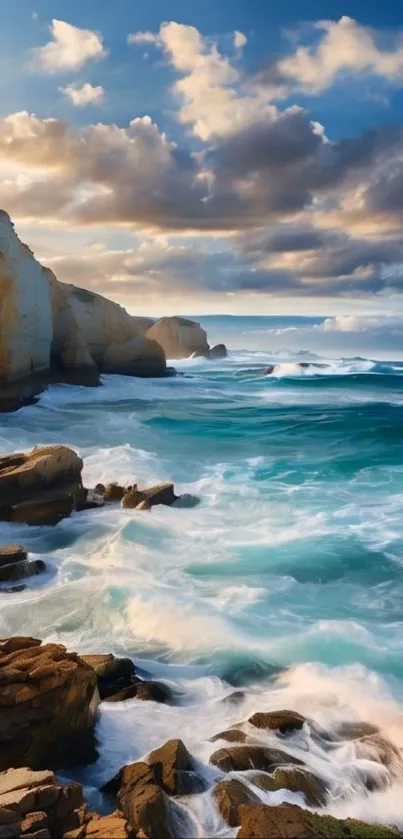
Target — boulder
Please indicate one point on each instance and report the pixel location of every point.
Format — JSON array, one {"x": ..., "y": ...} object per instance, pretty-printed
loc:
[
  {"x": 179, "y": 337},
  {"x": 233, "y": 735},
  {"x": 40, "y": 487},
  {"x": 113, "y": 826},
  {"x": 145, "y": 806},
  {"x": 229, "y": 796},
  {"x": 284, "y": 722},
  {"x": 48, "y": 702},
  {"x": 174, "y": 769},
  {"x": 286, "y": 821},
  {"x": 160, "y": 494},
  {"x": 15, "y": 570},
  {"x": 145, "y": 690},
  {"x": 295, "y": 780},
  {"x": 12, "y": 553},
  {"x": 138, "y": 357},
  {"x": 113, "y": 492},
  {"x": 103, "y": 322},
  {"x": 217, "y": 352},
  {"x": 242, "y": 758}
]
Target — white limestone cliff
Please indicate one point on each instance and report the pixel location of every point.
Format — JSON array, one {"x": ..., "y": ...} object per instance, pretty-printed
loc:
[{"x": 179, "y": 337}]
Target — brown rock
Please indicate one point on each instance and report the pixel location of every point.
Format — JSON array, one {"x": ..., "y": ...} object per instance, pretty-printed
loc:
[
  {"x": 132, "y": 498},
  {"x": 113, "y": 826},
  {"x": 173, "y": 768},
  {"x": 355, "y": 730},
  {"x": 160, "y": 494},
  {"x": 145, "y": 806},
  {"x": 229, "y": 796},
  {"x": 233, "y": 735},
  {"x": 295, "y": 780},
  {"x": 179, "y": 337},
  {"x": 12, "y": 553},
  {"x": 48, "y": 701},
  {"x": 34, "y": 804},
  {"x": 242, "y": 758},
  {"x": 285, "y": 722},
  {"x": 114, "y": 674},
  {"x": 287, "y": 821},
  {"x": 113, "y": 492},
  {"x": 144, "y": 505}
]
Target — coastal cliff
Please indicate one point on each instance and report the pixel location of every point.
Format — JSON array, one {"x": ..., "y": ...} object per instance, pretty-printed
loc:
[{"x": 55, "y": 332}]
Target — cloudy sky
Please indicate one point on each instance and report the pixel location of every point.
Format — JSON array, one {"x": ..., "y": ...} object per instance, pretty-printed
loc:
[{"x": 237, "y": 156}]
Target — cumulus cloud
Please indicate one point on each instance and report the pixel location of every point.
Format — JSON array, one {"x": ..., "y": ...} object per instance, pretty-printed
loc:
[
  {"x": 343, "y": 47},
  {"x": 240, "y": 39},
  {"x": 87, "y": 94},
  {"x": 362, "y": 323},
  {"x": 213, "y": 101},
  {"x": 68, "y": 49}
]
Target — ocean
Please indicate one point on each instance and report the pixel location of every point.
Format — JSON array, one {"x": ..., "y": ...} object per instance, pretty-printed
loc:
[{"x": 285, "y": 582}]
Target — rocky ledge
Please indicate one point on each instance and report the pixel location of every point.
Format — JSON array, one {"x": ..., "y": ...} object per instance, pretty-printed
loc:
[
  {"x": 49, "y": 700},
  {"x": 43, "y": 486}
]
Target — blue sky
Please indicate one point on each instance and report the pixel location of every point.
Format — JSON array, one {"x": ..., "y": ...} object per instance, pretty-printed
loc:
[{"x": 205, "y": 157}]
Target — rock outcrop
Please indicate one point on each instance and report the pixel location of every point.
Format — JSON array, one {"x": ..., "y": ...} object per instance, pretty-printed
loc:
[
  {"x": 117, "y": 680},
  {"x": 35, "y": 805},
  {"x": 179, "y": 337},
  {"x": 40, "y": 487},
  {"x": 53, "y": 331},
  {"x": 48, "y": 702},
  {"x": 287, "y": 821},
  {"x": 15, "y": 565},
  {"x": 242, "y": 758}
]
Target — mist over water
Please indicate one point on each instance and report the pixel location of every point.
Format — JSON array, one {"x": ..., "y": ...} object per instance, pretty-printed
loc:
[{"x": 285, "y": 581}]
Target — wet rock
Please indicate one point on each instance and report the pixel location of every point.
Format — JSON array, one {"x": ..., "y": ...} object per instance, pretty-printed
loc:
[
  {"x": 287, "y": 821},
  {"x": 229, "y": 796},
  {"x": 19, "y": 570},
  {"x": 113, "y": 826},
  {"x": 39, "y": 487},
  {"x": 145, "y": 690},
  {"x": 285, "y": 722},
  {"x": 113, "y": 492},
  {"x": 113, "y": 674},
  {"x": 242, "y": 758},
  {"x": 233, "y": 735},
  {"x": 355, "y": 730},
  {"x": 295, "y": 780},
  {"x": 235, "y": 698},
  {"x": 35, "y": 804},
  {"x": 144, "y": 505},
  {"x": 12, "y": 553},
  {"x": 147, "y": 808},
  {"x": 174, "y": 769},
  {"x": 160, "y": 494},
  {"x": 186, "y": 501},
  {"x": 245, "y": 672},
  {"x": 48, "y": 702},
  {"x": 217, "y": 352}
]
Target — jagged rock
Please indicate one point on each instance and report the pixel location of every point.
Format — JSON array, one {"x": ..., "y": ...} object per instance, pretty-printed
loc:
[
  {"x": 179, "y": 337},
  {"x": 242, "y": 758},
  {"x": 113, "y": 674},
  {"x": 355, "y": 730},
  {"x": 113, "y": 492},
  {"x": 138, "y": 357},
  {"x": 173, "y": 769},
  {"x": 285, "y": 722},
  {"x": 39, "y": 487},
  {"x": 144, "y": 690},
  {"x": 113, "y": 826},
  {"x": 160, "y": 494},
  {"x": 287, "y": 821},
  {"x": 35, "y": 804},
  {"x": 146, "y": 807},
  {"x": 295, "y": 780},
  {"x": 48, "y": 702},
  {"x": 233, "y": 735},
  {"x": 229, "y": 796}
]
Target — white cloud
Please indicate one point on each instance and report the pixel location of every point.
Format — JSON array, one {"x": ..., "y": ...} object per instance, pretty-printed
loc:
[
  {"x": 214, "y": 102},
  {"x": 69, "y": 48},
  {"x": 87, "y": 94},
  {"x": 344, "y": 46},
  {"x": 360, "y": 323},
  {"x": 240, "y": 39}
]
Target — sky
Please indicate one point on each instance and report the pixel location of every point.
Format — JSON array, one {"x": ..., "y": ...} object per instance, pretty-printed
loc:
[{"x": 243, "y": 157}]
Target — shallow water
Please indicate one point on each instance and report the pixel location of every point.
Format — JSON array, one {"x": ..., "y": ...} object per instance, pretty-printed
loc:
[{"x": 286, "y": 579}]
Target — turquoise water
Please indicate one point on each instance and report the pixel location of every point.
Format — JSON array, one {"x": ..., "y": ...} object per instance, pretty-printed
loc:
[{"x": 286, "y": 579}]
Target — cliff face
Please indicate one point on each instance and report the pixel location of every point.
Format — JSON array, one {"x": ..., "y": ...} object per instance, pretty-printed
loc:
[
  {"x": 26, "y": 329},
  {"x": 52, "y": 331}
]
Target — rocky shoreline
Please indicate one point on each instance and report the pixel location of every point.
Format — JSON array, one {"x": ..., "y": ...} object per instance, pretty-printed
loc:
[{"x": 50, "y": 700}]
